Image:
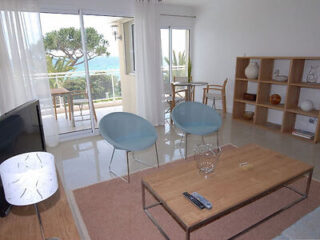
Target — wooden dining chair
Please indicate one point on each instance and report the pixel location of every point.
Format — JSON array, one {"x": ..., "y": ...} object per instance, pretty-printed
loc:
[
  {"x": 216, "y": 92},
  {"x": 183, "y": 79}
]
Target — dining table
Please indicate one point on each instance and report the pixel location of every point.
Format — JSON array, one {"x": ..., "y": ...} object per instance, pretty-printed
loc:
[
  {"x": 63, "y": 92},
  {"x": 190, "y": 87}
]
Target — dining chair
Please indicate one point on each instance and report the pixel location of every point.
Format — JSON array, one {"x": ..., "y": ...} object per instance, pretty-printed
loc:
[
  {"x": 80, "y": 99},
  {"x": 197, "y": 119},
  {"x": 216, "y": 92},
  {"x": 183, "y": 80},
  {"x": 128, "y": 132}
]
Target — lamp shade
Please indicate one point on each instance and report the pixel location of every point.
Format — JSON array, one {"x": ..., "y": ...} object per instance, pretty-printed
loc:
[{"x": 29, "y": 178}]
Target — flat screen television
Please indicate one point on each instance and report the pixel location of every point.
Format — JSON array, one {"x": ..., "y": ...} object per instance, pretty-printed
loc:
[{"x": 21, "y": 131}]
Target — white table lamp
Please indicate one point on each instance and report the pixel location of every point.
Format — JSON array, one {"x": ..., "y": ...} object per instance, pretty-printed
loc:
[{"x": 29, "y": 178}]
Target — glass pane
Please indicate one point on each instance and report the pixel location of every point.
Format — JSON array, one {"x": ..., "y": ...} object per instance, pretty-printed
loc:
[
  {"x": 165, "y": 57},
  {"x": 106, "y": 60},
  {"x": 180, "y": 52},
  {"x": 62, "y": 41}
]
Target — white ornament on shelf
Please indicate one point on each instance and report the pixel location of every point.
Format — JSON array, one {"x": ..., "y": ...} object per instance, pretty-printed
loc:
[
  {"x": 306, "y": 105},
  {"x": 252, "y": 70}
]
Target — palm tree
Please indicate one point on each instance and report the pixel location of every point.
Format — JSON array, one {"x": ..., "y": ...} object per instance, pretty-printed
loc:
[
  {"x": 180, "y": 61},
  {"x": 59, "y": 65}
]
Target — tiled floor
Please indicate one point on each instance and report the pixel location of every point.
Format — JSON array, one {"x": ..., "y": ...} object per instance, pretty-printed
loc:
[
  {"x": 83, "y": 123},
  {"x": 85, "y": 161}
]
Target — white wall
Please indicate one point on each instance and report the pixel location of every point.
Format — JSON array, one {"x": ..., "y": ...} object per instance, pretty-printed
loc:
[{"x": 230, "y": 28}]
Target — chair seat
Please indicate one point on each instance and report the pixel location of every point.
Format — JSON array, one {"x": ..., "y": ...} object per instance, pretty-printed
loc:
[
  {"x": 199, "y": 128},
  {"x": 215, "y": 96},
  {"x": 134, "y": 143}
]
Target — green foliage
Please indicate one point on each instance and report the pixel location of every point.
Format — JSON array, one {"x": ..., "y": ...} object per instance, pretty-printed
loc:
[
  {"x": 100, "y": 85},
  {"x": 180, "y": 60},
  {"x": 55, "y": 66},
  {"x": 189, "y": 69},
  {"x": 66, "y": 43}
]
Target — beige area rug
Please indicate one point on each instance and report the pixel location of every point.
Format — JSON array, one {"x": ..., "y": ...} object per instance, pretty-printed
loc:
[{"x": 113, "y": 210}]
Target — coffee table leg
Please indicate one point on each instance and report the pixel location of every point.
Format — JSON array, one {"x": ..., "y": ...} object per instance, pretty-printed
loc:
[
  {"x": 143, "y": 196},
  {"x": 146, "y": 208},
  {"x": 308, "y": 183},
  {"x": 188, "y": 234}
]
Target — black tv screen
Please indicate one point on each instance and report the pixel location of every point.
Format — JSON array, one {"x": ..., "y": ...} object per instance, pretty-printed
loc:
[{"x": 20, "y": 131}]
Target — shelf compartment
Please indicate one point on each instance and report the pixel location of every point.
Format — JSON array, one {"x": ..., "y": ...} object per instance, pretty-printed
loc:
[
  {"x": 301, "y": 138},
  {"x": 271, "y": 126},
  {"x": 244, "y": 120},
  {"x": 245, "y": 101},
  {"x": 313, "y": 113},
  {"x": 306, "y": 85},
  {"x": 279, "y": 107}
]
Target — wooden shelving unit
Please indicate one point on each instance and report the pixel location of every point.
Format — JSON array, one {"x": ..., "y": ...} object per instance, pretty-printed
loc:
[{"x": 289, "y": 108}]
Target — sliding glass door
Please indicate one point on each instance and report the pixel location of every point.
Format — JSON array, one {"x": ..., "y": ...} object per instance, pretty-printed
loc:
[
  {"x": 65, "y": 63},
  {"x": 83, "y": 60},
  {"x": 175, "y": 44}
]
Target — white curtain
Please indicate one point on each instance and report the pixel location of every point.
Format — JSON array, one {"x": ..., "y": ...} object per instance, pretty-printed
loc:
[
  {"x": 22, "y": 62},
  {"x": 148, "y": 61}
]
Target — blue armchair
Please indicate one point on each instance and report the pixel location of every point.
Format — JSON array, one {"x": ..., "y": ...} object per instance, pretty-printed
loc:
[
  {"x": 197, "y": 119},
  {"x": 128, "y": 132}
]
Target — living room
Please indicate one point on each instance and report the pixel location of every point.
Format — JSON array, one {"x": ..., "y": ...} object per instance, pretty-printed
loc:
[{"x": 263, "y": 182}]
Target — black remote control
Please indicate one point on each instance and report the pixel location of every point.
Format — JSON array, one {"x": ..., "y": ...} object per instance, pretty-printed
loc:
[{"x": 194, "y": 200}]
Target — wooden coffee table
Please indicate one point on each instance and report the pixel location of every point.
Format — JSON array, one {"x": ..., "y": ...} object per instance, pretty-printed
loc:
[{"x": 231, "y": 186}]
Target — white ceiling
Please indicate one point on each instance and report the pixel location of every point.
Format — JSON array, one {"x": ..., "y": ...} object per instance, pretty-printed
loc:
[{"x": 193, "y": 3}]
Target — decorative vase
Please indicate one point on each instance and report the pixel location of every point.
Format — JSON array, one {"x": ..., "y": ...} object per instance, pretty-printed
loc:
[
  {"x": 312, "y": 75},
  {"x": 206, "y": 157},
  {"x": 306, "y": 106},
  {"x": 275, "y": 99},
  {"x": 252, "y": 70}
]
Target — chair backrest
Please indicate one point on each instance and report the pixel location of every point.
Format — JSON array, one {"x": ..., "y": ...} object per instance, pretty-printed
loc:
[
  {"x": 117, "y": 126},
  {"x": 167, "y": 88},
  {"x": 180, "y": 79},
  {"x": 195, "y": 113},
  {"x": 225, "y": 84}
]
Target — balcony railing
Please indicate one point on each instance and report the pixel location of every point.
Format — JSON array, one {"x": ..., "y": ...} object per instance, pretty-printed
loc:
[{"x": 105, "y": 84}]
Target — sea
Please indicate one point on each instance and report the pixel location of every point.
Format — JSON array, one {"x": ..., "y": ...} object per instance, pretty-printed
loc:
[{"x": 101, "y": 63}]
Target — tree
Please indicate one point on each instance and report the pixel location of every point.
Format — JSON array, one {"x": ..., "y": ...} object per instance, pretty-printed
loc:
[
  {"x": 180, "y": 61},
  {"x": 66, "y": 43},
  {"x": 59, "y": 65}
]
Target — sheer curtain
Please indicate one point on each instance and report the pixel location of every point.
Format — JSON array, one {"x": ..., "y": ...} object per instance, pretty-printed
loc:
[
  {"x": 148, "y": 61},
  {"x": 22, "y": 62}
]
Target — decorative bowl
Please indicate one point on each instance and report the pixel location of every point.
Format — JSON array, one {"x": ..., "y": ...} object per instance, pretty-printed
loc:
[
  {"x": 275, "y": 99},
  {"x": 248, "y": 115},
  {"x": 280, "y": 78}
]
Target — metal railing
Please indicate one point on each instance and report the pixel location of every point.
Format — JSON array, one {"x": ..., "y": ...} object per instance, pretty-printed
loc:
[{"x": 60, "y": 78}]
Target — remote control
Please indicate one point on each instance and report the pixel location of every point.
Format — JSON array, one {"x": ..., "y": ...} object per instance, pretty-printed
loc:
[
  {"x": 194, "y": 200},
  {"x": 204, "y": 201}
]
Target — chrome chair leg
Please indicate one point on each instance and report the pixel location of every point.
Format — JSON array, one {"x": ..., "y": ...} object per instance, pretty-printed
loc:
[
  {"x": 127, "y": 153},
  {"x": 185, "y": 146},
  {"x": 155, "y": 145},
  {"x": 111, "y": 159},
  {"x": 218, "y": 138},
  {"x": 114, "y": 173}
]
